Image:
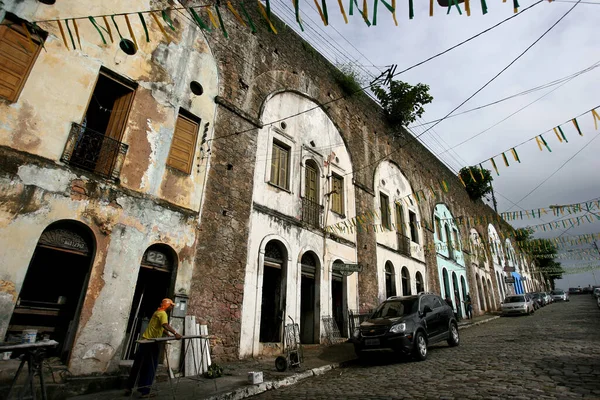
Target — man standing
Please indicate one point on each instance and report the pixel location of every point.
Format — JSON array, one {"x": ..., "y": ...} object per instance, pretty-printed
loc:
[{"x": 146, "y": 357}]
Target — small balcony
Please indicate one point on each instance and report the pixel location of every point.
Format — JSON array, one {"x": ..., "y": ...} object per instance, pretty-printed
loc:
[
  {"x": 312, "y": 213},
  {"x": 92, "y": 151},
  {"x": 403, "y": 244}
]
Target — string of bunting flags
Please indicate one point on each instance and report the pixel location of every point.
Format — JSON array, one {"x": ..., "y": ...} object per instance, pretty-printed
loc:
[
  {"x": 541, "y": 142},
  {"x": 556, "y": 210},
  {"x": 209, "y": 17}
]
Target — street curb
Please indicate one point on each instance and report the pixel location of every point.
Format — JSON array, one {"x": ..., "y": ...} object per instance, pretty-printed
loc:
[
  {"x": 249, "y": 391},
  {"x": 479, "y": 322}
]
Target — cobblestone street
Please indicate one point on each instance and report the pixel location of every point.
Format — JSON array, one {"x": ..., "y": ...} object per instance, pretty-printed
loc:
[{"x": 552, "y": 354}]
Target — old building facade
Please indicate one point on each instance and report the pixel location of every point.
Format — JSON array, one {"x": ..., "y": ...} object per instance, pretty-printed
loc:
[{"x": 206, "y": 168}]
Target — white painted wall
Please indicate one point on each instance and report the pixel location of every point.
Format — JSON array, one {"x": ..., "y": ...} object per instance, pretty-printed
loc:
[{"x": 297, "y": 134}]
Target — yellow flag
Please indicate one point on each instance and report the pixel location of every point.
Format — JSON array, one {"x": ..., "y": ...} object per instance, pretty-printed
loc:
[
  {"x": 557, "y": 135},
  {"x": 596, "y": 119}
]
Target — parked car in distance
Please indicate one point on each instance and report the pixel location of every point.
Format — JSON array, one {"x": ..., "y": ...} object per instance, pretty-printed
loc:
[
  {"x": 519, "y": 304},
  {"x": 548, "y": 297},
  {"x": 560, "y": 295},
  {"x": 538, "y": 300},
  {"x": 596, "y": 292},
  {"x": 575, "y": 290},
  {"x": 407, "y": 325}
]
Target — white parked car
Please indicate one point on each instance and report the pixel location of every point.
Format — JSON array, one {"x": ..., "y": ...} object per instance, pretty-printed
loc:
[
  {"x": 560, "y": 295},
  {"x": 519, "y": 304}
]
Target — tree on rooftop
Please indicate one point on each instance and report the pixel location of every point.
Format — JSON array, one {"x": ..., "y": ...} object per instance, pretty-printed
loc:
[
  {"x": 480, "y": 186},
  {"x": 403, "y": 103}
]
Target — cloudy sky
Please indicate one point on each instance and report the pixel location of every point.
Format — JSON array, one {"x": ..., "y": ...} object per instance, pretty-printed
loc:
[{"x": 570, "y": 47}]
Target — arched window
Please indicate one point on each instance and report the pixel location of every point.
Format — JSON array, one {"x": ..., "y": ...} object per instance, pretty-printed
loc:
[
  {"x": 405, "y": 282},
  {"x": 311, "y": 182},
  {"x": 390, "y": 280},
  {"x": 419, "y": 282},
  {"x": 449, "y": 241}
]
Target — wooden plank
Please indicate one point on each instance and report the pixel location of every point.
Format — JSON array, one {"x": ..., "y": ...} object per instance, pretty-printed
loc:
[
  {"x": 206, "y": 361},
  {"x": 188, "y": 361}
]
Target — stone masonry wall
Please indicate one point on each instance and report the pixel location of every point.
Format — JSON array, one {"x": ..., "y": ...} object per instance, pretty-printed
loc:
[{"x": 253, "y": 67}]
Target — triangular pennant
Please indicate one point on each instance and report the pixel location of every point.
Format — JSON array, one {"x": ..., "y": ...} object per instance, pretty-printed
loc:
[
  {"x": 574, "y": 120},
  {"x": 596, "y": 119}
]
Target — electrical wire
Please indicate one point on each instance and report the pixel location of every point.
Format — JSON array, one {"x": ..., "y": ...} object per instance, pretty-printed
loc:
[
  {"x": 523, "y": 93},
  {"x": 401, "y": 72}
]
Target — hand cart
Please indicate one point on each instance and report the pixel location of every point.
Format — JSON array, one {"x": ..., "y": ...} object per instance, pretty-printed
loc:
[{"x": 292, "y": 348}]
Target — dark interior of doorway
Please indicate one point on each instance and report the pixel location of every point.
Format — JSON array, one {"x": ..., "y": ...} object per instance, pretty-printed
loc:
[
  {"x": 153, "y": 285},
  {"x": 337, "y": 297},
  {"x": 271, "y": 315},
  {"x": 52, "y": 292},
  {"x": 307, "y": 309}
]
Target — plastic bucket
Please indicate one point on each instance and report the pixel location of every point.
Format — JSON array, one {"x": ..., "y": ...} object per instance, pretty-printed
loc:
[{"x": 29, "y": 336}]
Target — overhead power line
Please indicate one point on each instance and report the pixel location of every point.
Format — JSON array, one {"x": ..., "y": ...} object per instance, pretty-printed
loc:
[
  {"x": 396, "y": 74},
  {"x": 523, "y": 93}
]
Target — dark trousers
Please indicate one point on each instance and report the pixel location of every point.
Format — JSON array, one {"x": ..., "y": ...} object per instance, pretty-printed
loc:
[{"x": 144, "y": 367}]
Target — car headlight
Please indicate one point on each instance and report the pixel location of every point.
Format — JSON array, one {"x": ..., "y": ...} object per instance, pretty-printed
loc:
[
  {"x": 356, "y": 333},
  {"x": 398, "y": 328}
]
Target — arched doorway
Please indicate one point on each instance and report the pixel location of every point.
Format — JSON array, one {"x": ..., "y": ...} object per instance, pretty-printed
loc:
[
  {"x": 156, "y": 281},
  {"x": 446, "y": 283},
  {"x": 405, "y": 282},
  {"x": 457, "y": 299},
  {"x": 491, "y": 295},
  {"x": 463, "y": 286},
  {"x": 390, "y": 280},
  {"x": 419, "y": 282},
  {"x": 273, "y": 292},
  {"x": 309, "y": 309},
  {"x": 480, "y": 297},
  {"x": 55, "y": 285},
  {"x": 338, "y": 299}
]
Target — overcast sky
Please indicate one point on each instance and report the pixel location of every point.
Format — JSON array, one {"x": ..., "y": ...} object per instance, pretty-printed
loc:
[{"x": 570, "y": 47}]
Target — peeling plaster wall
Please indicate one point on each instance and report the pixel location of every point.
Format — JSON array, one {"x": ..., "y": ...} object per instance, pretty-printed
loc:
[
  {"x": 40, "y": 120},
  {"x": 152, "y": 203},
  {"x": 124, "y": 227}
]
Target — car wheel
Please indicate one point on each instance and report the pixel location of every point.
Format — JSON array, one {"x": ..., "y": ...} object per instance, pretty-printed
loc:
[
  {"x": 453, "y": 337},
  {"x": 420, "y": 347}
]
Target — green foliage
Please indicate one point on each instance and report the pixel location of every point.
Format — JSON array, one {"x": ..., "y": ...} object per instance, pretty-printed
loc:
[
  {"x": 480, "y": 186},
  {"x": 348, "y": 78},
  {"x": 542, "y": 251},
  {"x": 214, "y": 371},
  {"x": 403, "y": 103}
]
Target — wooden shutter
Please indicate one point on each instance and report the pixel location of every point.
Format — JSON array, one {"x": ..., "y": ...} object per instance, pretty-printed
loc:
[
  {"x": 183, "y": 146},
  {"x": 399, "y": 218},
  {"x": 338, "y": 195},
  {"x": 279, "y": 164},
  {"x": 311, "y": 183},
  {"x": 385, "y": 210},
  {"x": 114, "y": 130},
  {"x": 17, "y": 56}
]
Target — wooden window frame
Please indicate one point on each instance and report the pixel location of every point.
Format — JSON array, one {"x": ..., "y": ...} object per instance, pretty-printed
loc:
[
  {"x": 338, "y": 178},
  {"x": 385, "y": 211},
  {"x": 414, "y": 227},
  {"x": 312, "y": 165},
  {"x": 37, "y": 38},
  {"x": 399, "y": 218},
  {"x": 192, "y": 119},
  {"x": 275, "y": 179}
]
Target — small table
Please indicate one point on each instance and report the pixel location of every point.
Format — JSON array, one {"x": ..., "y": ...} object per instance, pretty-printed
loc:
[{"x": 34, "y": 357}]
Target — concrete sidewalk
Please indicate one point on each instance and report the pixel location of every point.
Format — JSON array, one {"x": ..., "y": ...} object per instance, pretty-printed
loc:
[{"x": 234, "y": 382}]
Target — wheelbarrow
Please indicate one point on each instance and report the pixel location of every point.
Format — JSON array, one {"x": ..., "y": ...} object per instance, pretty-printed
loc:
[{"x": 292, "y": 348}]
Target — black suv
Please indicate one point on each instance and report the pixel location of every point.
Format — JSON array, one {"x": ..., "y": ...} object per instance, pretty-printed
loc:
[{"x": 407, "y": 325}]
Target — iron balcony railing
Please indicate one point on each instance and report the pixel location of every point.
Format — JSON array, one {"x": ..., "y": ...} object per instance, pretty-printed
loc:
[
  {"x": 403, "y": 244},
  {"x": 312, "y": 212},
  {"x": 92, "y": 151}
]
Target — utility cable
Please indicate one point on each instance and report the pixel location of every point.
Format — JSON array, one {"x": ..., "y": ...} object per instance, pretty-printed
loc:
[
  {"x": 523, "y": 93},
  {"x": 398, "y": 73}
]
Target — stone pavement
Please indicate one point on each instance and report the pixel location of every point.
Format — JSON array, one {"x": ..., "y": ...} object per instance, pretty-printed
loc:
[
  {"x": 233, "y": 385},
  {"x": 554, "y": 354}
]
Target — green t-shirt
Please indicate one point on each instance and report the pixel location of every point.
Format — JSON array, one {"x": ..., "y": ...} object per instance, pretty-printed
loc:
[{"x": 155, "y": 326}]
